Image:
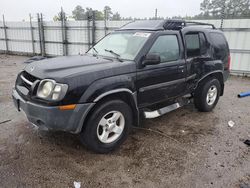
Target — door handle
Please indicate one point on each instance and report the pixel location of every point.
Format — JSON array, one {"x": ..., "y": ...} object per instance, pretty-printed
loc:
[{"x": 181, "y": 69}]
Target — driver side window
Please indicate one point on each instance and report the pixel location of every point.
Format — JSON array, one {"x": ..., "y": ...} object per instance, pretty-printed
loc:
[{"x": 166, "y": 47}]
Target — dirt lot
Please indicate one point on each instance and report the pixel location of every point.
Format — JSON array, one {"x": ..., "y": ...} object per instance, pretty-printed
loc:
[{"x": 198, "y": 149}]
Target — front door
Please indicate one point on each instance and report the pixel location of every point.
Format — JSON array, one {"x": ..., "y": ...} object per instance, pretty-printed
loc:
[{"x": 166, "y": 80}]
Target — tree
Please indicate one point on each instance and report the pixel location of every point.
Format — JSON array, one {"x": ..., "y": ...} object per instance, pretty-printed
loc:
[
  {"x": 127, "y": 18},
  {"x": 79, "y": 13},
  {"x": 116, "y": 16},
  {"x": 99, "y": 15},
  {"x": 89, "y": 12},
  {"x": 59, "y": 16},
  {"x": 108, "y": 12},
  {"x": 205, "y": 7},
  {"x": 232, "y": 8},
  {"x": 239, "y": 8}
]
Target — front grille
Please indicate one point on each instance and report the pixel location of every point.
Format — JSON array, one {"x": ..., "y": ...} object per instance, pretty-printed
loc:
[
  {"x": 25, "y": 84},
  {"x": 29, "y": 77}
]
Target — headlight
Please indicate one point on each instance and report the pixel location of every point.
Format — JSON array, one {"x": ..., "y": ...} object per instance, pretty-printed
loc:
[
  {"x": 50, "y": 90},
  {"x": 46, "y": 89}
]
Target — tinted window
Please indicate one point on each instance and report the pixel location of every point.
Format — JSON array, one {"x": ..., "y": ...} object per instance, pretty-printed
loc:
[
  {"x": 196, "y": 44},
  {"x": 220, "y": 46},
  {"x": 167, "y": 47},
  {"x": 203, "y": 44},
  {"x": 192, "y": 45}
]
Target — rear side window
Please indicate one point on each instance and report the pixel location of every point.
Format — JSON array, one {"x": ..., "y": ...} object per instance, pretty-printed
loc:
[
  {"x": 220, "y": 46},
  {"x": 192, "y": 45},
  {"x": 167, "y": 47},
  {"x": 203, "y": 44},
  {"x": 196, "y": 44}
]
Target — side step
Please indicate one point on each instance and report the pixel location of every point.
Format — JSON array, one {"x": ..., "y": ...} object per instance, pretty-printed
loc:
[
  {"x": 162, "y": 111},
  {"x": 179, "y": 103}
]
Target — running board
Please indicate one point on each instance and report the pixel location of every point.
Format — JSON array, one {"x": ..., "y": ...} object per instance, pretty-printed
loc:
[{"x": 162, "y": 111}]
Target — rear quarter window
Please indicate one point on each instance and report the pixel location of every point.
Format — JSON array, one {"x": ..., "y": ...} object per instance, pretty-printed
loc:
[
  {"x": 192, "y": 44},
  {"x": 220, "y": 46}
]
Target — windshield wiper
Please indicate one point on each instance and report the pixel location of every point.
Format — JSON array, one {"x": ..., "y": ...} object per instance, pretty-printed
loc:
[
  {"x": 115, "y": 54},
  {"x": 95, "y": 51}
]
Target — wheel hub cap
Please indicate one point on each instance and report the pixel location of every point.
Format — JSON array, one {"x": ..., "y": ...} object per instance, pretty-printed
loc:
[
  {"x": 110, "y": 127},
  {"x": 212, "y": 95}
]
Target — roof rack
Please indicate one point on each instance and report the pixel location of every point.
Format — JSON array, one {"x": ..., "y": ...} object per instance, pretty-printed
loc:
[
  {"x": 156, "y": 25},
  {"x": 180, "y": 24}
]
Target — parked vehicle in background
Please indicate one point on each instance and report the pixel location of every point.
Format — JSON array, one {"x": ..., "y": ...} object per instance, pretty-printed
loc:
[{"x": 144, "y": 69}]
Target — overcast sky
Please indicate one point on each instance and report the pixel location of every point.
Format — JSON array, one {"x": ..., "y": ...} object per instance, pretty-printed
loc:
[{"x": 19, "y": 9}]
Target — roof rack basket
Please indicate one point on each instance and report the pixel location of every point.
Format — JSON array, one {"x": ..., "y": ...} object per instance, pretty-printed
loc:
[{"x": 180, "y": 24}]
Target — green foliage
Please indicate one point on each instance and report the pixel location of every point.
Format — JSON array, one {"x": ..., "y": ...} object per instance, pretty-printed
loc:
[
  {"x": 99, "y": 15},
  {"x": 108, "y": 12},
  {"x": 210, "y": 9},
  {"x": 232, "y": 8},
  {"x": 116, "y": 16},
  {"x": 79, "y": 13},
  {"x": 60, "y": 16}
]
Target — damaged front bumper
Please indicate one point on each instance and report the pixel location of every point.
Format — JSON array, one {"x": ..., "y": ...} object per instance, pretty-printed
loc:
[{"x": 51, "y": 117}]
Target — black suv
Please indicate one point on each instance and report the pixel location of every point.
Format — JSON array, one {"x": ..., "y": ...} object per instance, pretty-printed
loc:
[{"x": 144, "y": 69}]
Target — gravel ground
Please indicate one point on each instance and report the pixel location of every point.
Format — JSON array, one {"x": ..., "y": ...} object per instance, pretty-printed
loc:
[{"x": 194, "y": 150}]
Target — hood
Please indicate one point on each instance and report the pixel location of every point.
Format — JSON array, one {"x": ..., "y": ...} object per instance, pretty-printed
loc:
[{"x": 63, "y": 68}]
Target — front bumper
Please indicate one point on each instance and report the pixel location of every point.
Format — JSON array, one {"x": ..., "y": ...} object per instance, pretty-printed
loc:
[{"x": 50, "y": 117}]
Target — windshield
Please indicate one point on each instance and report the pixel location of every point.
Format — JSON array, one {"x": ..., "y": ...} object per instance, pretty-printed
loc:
[{"x": 120, "y": 45}]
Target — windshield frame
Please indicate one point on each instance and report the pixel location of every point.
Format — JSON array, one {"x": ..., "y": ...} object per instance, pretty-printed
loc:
[{"x": 126, "y": 31}]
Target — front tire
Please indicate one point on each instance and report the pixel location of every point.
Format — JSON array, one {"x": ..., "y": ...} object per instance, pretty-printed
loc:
[
  {"x": 207, "y": 95},
  {"x": 107, "y": 127}
]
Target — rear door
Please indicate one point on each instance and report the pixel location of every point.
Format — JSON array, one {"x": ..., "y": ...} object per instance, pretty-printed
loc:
[
  {"x": 166, "y": 80},
  {"x": 197, "y": 56}
]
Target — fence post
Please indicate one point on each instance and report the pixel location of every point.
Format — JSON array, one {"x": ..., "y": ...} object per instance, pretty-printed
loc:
[
  {"x": 64, "y": 33},
  {"x": 88, "y": 29},
  {"x": 39, "y": 33},
  {"x": 42, "y": 35},
  {"x": 105, "y": 22},
  {"x": 93, "y": 28},
  {"x": 32, "y": 35},
  {"x": 5, "y": 36}
]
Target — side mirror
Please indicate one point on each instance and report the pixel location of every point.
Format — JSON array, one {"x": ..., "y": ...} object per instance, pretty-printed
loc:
[{"x": 151, "y": 59}]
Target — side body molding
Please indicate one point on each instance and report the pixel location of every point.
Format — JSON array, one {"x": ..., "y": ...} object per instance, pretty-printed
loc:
[
  {"x": 221, "y": 79},
  {"x": 210, "y": 73},
  {"x": 112, "y": 92}
]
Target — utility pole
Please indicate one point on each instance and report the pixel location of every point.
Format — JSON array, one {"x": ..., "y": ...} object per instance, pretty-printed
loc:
[
  {"x": 64, "y": 32},
  {"x": 156, "y": 12},
  {"x": 43, "y": 50},
  {"x": 32, "y": 35},
  {"x": 223, "y": 7}
]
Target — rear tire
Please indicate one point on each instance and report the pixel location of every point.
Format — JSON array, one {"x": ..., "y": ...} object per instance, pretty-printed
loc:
[
  {"x": 207, "y": 95},
  {"x": 107, "y": 127}
]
